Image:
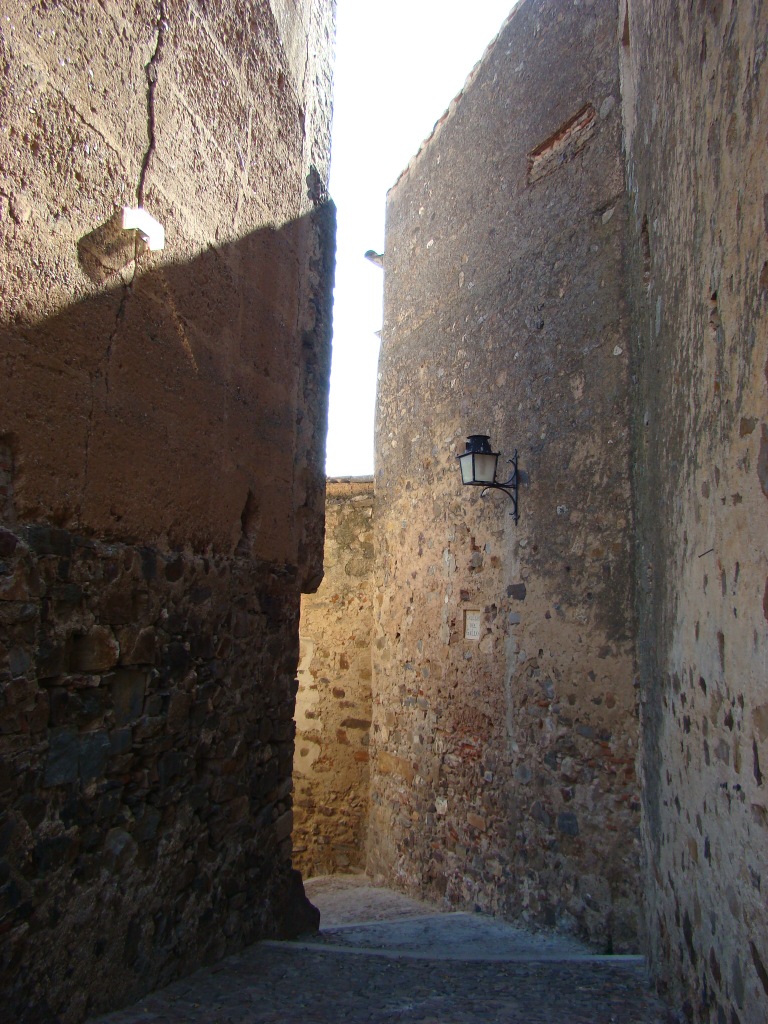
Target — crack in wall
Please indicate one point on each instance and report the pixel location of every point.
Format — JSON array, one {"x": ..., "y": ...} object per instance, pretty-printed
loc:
[{"x": 151, "y": 71}]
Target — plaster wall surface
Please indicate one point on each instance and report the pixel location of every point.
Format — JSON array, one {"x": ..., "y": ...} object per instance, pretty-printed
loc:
[
  {"x": 695, "y": 111},
  {"x": 162, "y": 425},
  {"x": 333, "y": 704},
  {"x": 200, "y": 117},
  {"x": 502, "y": 766}
]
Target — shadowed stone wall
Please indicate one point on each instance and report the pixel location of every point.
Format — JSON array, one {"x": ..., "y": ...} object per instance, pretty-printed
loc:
[
  {"x": 162, "y": 430},
  {"x": 333, "y": 705},
  {"x": 695, "y": 110},
  {"x": 503, "y": 764}
]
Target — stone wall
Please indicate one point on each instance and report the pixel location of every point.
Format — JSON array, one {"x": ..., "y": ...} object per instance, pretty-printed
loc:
[
  {"x": 695, "y": 109},
  {"x": 161, "y": 482},
  {"x": 333, "y": 705},
  {"x": 503, "y": 766}
]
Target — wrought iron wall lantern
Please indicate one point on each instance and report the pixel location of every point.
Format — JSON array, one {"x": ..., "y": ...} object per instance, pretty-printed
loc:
[{"x": 478, "y": 469}]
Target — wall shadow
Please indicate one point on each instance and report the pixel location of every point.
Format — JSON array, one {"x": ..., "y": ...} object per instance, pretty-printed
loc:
[{"x": 161, "y": 509}]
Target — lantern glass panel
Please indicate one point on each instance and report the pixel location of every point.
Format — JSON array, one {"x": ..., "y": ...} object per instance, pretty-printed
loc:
[
  {"x": 485, "y": 468},
  {"x": 466, "y": 468}
]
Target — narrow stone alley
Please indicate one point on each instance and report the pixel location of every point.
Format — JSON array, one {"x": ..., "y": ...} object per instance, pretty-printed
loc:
[{"x": 381, "y": 958}]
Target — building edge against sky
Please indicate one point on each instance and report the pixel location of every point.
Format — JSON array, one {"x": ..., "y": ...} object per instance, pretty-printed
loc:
[
  {"x": 502, "y": 756},
  {"x": 690, "y": 206},
  {"x": 376, "y": 131}
]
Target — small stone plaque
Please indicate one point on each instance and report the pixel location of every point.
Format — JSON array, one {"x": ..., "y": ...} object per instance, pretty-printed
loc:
[{"x": 471, "y": 625}]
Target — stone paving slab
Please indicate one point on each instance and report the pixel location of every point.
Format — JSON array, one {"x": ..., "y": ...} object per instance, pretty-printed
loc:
[
  {"x": 269, "y": 983},
  {"x": 382, "y": 958},
  {"x": 352, "y": 899},
  {"x": 457, "y": 936},
  {"x": 358, "y": 916}
]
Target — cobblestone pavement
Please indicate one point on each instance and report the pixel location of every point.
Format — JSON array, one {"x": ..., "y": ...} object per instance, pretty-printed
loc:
[{"x": 384, "y": 959}]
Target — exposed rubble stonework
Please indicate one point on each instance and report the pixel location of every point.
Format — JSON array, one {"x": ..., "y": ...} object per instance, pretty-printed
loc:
[
  {"x": 162, "y": 427},
  {"x": 695, "y": 93},
  {"x": 504, "y": 707},
  {"x": 333, "y": 704}
]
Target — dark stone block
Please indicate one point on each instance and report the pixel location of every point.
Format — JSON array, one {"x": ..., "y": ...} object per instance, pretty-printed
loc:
[
  {"x": 86, "y": 543},
  {"x": 84, "y": 707},
  {"x": 121, "y": 741},
  {"x": 8, "y": 543},
  {"x": 178, "y": 711},
  {"x": 174, "y": 570},
  {"x": 19, "y": 661},
  {"x": 109, "y": 804},
  {"x": 550, "y": 760},
  {"x": 66, "y": 595},
  {"x": 117, "y": 607},
  {"x": 63, "y": 758},
  {"x": 45, "y": 540},
  {"x": 568, "y": 823},
  {"x": 91, "y": 707},
  {"x": 148, "y": 563},
  {"x": 264, "y": 817},
  {"x": 147, "y": 824},
  {"x": 132, "y": 940},
  {"x": 53, "y": 851},
  {"x": 201, "y": 646},
  {"x": 196, "y": 797},
  {"x": 119, "y": 849},
  {"x": 176, "y": 657},
  {"x": 7, "y": 828},
  {"x": 128, "y": 689},
  {"x": 51, "y": 659},
  {"x": 95, "y": 651},
  {"x": 170, "y": 766},
  {"x": 76, "y": 810},
  {"x": 176, "y": 623},
  {"x": 95, "y": 749},
  {"x": 137, "y": 645},
  {"x": 59, "y": 707},
  {"x": 517, "y": 591},
  {"x": 10, "y": 896},
  {"x": 285, "y": 730},
  {"x": 540, "y": 814},
  {"x": 147, "y": 727},
  {"x": 156, "y": 704},
  {"x": 285, "y": 759}
]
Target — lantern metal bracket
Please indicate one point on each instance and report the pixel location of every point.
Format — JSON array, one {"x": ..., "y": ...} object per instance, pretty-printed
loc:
[
  {"x": 509, "y": 486},
  {"x": 478, "y": 469}
]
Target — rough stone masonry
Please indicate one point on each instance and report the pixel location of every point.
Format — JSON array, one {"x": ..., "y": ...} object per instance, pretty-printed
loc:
[
  {"x": 333, "y": 704},
  {"x": 581, "y": 271},
  {"x": 504, "y": 708},
  {"x": 695, "y": 94},
  {"x": 162, "y": 425}
]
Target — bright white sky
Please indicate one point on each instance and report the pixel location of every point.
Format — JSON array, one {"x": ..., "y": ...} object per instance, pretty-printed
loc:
[{"x": 399, "y": 63}]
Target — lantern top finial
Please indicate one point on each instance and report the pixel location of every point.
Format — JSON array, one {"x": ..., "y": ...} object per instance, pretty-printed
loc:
[{"x": 479, "y": 443}]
